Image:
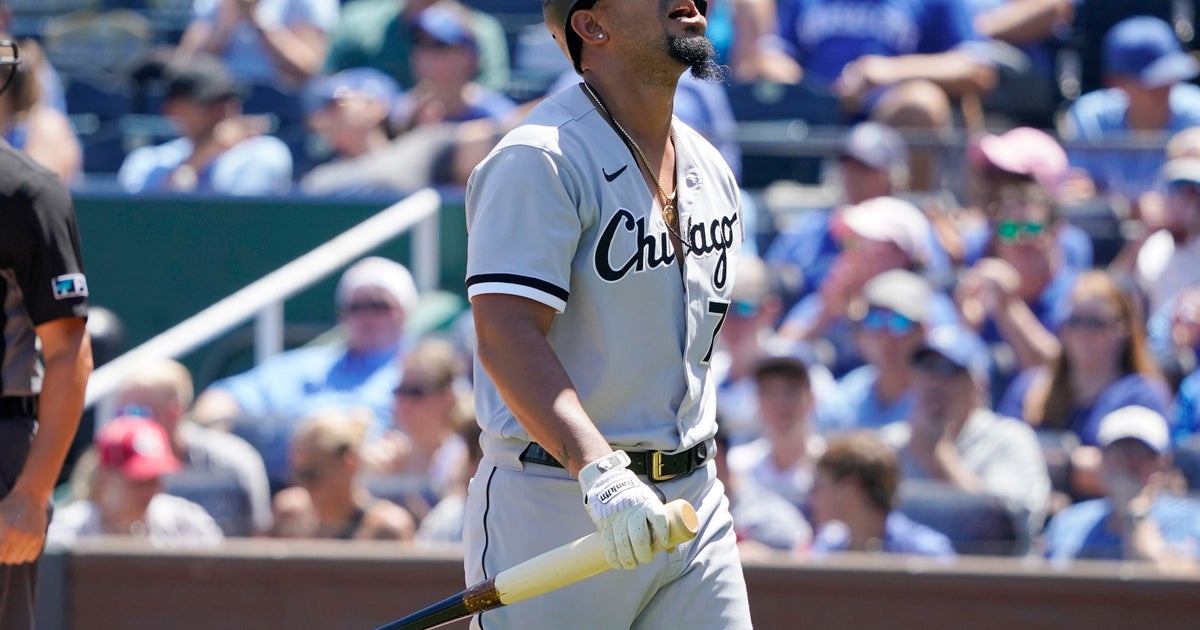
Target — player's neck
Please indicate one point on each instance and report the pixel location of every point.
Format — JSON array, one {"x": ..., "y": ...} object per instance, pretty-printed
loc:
[{"x": 643, "y": 109}]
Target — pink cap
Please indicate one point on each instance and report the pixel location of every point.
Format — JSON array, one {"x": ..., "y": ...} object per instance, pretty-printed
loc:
[
  {"x": 137, "y": 447},
  {"x": 1024, "y": 151}
]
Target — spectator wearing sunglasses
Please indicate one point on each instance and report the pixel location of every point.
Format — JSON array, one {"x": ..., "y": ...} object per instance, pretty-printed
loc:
[
  {"x": 953, "y": 436},
  {"x": 890, "y": 319},
  {"x": 328, "y": 499},
  {"x": 374, "y": 297},
  {"x": 1105, "y": 364},
  {"x": 1015, "y": 296},
  {"x": 875, "y": 236},
  {"x": 424, "y": 444}
]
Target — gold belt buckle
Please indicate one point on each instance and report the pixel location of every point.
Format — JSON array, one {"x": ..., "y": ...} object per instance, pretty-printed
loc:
[{"x": 656, "y": 466}]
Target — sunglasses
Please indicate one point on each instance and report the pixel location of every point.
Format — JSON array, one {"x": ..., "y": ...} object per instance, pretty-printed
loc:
[
  {"x": 744, "y": 309},
  {"x": 1089, "y": 322},
  {"x": 371, "y": 306},
  {"x": 415, "y": 391},
  {"x": 889, "y": 321},
  {"x": 936, "y": 364},
  {"x": 1010, "y": 232}
]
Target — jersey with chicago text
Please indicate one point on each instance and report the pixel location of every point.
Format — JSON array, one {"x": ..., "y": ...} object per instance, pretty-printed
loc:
[{"x": 559, "y": 213}]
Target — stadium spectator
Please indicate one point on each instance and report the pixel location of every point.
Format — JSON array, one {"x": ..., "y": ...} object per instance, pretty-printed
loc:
[
  {"x": 31, "y": 125},
  {"x": 889, "y": 324},
  {"x": 1149, "y": 95},
  {"x": 273, "y": 42},
  {"x": 1136, "y": 519},
  {"x": 953, "y": 436},
  {"x": 783, "y": 460},
  {"x": 1104, "y": 365},
  {"x": 1169, "y": 260},
  {"x": 444, "y": 523},
  {"x": 1021, "y": 156},
  {"x": 374, "y": 297},
  {"x": 380, "y": 34},
  {"x": 872, "y": 162},
  {"x": 328, "y": 500},
  {"x": 118, "y": 490},
  {"x": 445, "y": 60},
  {"x": 350, "y": 110},
  {"x": 220, "y": 472},
  {"x": 762, "y": 520},
  {"x": 853, "y": 503},
  {"x": 877, "y": 235},
  {"x": 220, "y": 151},
  {"x": 746, "y": 335},
  {"x": 425, "y": 442},
  {"x": 1016, "y": 296},
  {"x": 898, "y": 61}
]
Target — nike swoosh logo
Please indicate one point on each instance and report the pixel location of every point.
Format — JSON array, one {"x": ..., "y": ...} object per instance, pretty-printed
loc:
[{"x": 614, "y": 175}]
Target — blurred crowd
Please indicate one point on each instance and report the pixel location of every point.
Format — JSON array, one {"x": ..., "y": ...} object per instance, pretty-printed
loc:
[{"x": 943, "y": 354}]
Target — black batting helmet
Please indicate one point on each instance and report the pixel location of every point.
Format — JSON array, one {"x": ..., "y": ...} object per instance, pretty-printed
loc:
[{"x": 557, "y": 14}]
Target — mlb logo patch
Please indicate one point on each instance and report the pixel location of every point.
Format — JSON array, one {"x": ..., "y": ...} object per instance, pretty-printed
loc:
[{"x": 70, "y": 285}]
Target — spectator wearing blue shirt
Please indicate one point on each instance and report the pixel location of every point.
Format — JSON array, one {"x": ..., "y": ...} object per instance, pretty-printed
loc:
[
  {"x": 375, "y": 296},
  {"x": 1148, "y": 95},
  {"x": 889, "y": 325},
  {"x": 1016, "y": 296},
  {"x": 895, "y": 59},
  {"x": 276, "y": 42},
  {"x": 1105, "y": 364},
  {"x": 853, "y": 502},
  {"x": 1136, "y": 519},
  {"x": 220, "y": 150}
]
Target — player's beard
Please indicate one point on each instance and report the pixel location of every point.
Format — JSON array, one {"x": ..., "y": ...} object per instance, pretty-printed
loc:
[{"x": 696, "y": 53}]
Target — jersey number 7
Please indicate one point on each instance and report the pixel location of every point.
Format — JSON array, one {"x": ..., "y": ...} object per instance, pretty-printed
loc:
[{"x": 720, "y": 309}]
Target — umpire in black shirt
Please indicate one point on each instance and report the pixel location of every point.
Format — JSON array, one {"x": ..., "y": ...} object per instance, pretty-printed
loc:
[{"x": 43, "y": 296}]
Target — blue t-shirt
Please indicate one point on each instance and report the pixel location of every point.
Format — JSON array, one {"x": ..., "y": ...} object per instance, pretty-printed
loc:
[
  {"x": 275, "y": 395},
  {"x": 1081, "y": 530},
  {"x": 1100, "y": 115},
  {"x": 245, "y": 54},
  {"x": 1131, "y": 389},
  {"x": 901, "y": 535},
  {"x": 826, "y": 35},
  {"x": 864, "y": 409},
  {"x": 258, "y": 166}
]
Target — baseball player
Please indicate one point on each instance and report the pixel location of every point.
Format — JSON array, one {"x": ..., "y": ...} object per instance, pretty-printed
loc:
[
  {"x": 602, "y": 239},
  {"x": 44, "y": 293}
]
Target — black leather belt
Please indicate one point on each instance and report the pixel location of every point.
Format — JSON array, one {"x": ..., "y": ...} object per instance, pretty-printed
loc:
[
  {"x": 655, "y": 465},
  {"x": 18, "y": 406}
]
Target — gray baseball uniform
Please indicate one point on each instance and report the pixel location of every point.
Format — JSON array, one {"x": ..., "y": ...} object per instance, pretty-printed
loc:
[{"x": 559, "y": 213}]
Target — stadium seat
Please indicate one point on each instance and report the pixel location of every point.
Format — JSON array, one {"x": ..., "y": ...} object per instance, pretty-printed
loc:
[{"x": 975, "y": 523}]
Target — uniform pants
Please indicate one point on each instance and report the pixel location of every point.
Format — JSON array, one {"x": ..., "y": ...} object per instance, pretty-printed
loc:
[
  {"x": 16, "y": 581},
  {"x": 514, "y": 515}
]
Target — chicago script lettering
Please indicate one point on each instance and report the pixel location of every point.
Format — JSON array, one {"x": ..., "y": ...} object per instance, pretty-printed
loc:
[{"x": 655, "y": 250}]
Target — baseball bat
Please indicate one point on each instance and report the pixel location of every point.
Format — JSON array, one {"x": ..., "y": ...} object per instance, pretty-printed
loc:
[{"x": 554, "y": 569}]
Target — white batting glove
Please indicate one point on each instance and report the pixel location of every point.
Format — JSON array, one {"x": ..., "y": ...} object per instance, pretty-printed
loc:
[{"x": 630, "y": 517}]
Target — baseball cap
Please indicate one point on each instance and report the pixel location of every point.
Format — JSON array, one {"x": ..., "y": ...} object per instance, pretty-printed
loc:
[
  {"x": 1185, "y": 169},
  {"x": 1023, "y": 151},
  {"x": 876, "y": 145},
  {"x": 447, "y": 26},
  {"x": 1147, "y": 48},
  {"x": 203, "y": 78},
  {"x": 888, "y": 219},
  {"x": 901, "y": 291},
  {"x": 1135, "y": 422},
  {"x": 379, "y": 273},
  {"x": 368, "y": 83},
  {"x": 136, "y": 447},
  {"x": 957, "y": 345}
]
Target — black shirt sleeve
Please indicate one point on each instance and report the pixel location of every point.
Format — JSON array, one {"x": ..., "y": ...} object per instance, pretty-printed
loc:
[{"x": 52, "y": 278}]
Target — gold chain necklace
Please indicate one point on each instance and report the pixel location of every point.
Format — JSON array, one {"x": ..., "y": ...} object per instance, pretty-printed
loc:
[{"x": 668, "y": 205}]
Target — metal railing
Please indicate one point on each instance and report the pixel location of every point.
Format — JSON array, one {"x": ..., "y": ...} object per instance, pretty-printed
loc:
[{"x": 263, "y": 299}]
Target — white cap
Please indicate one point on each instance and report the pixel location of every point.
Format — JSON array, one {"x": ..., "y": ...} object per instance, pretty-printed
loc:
[
  {"x": 888, "y": 219},
  {"x": 1136, "y": 422},
  {"x": 380, "y": 273}
]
